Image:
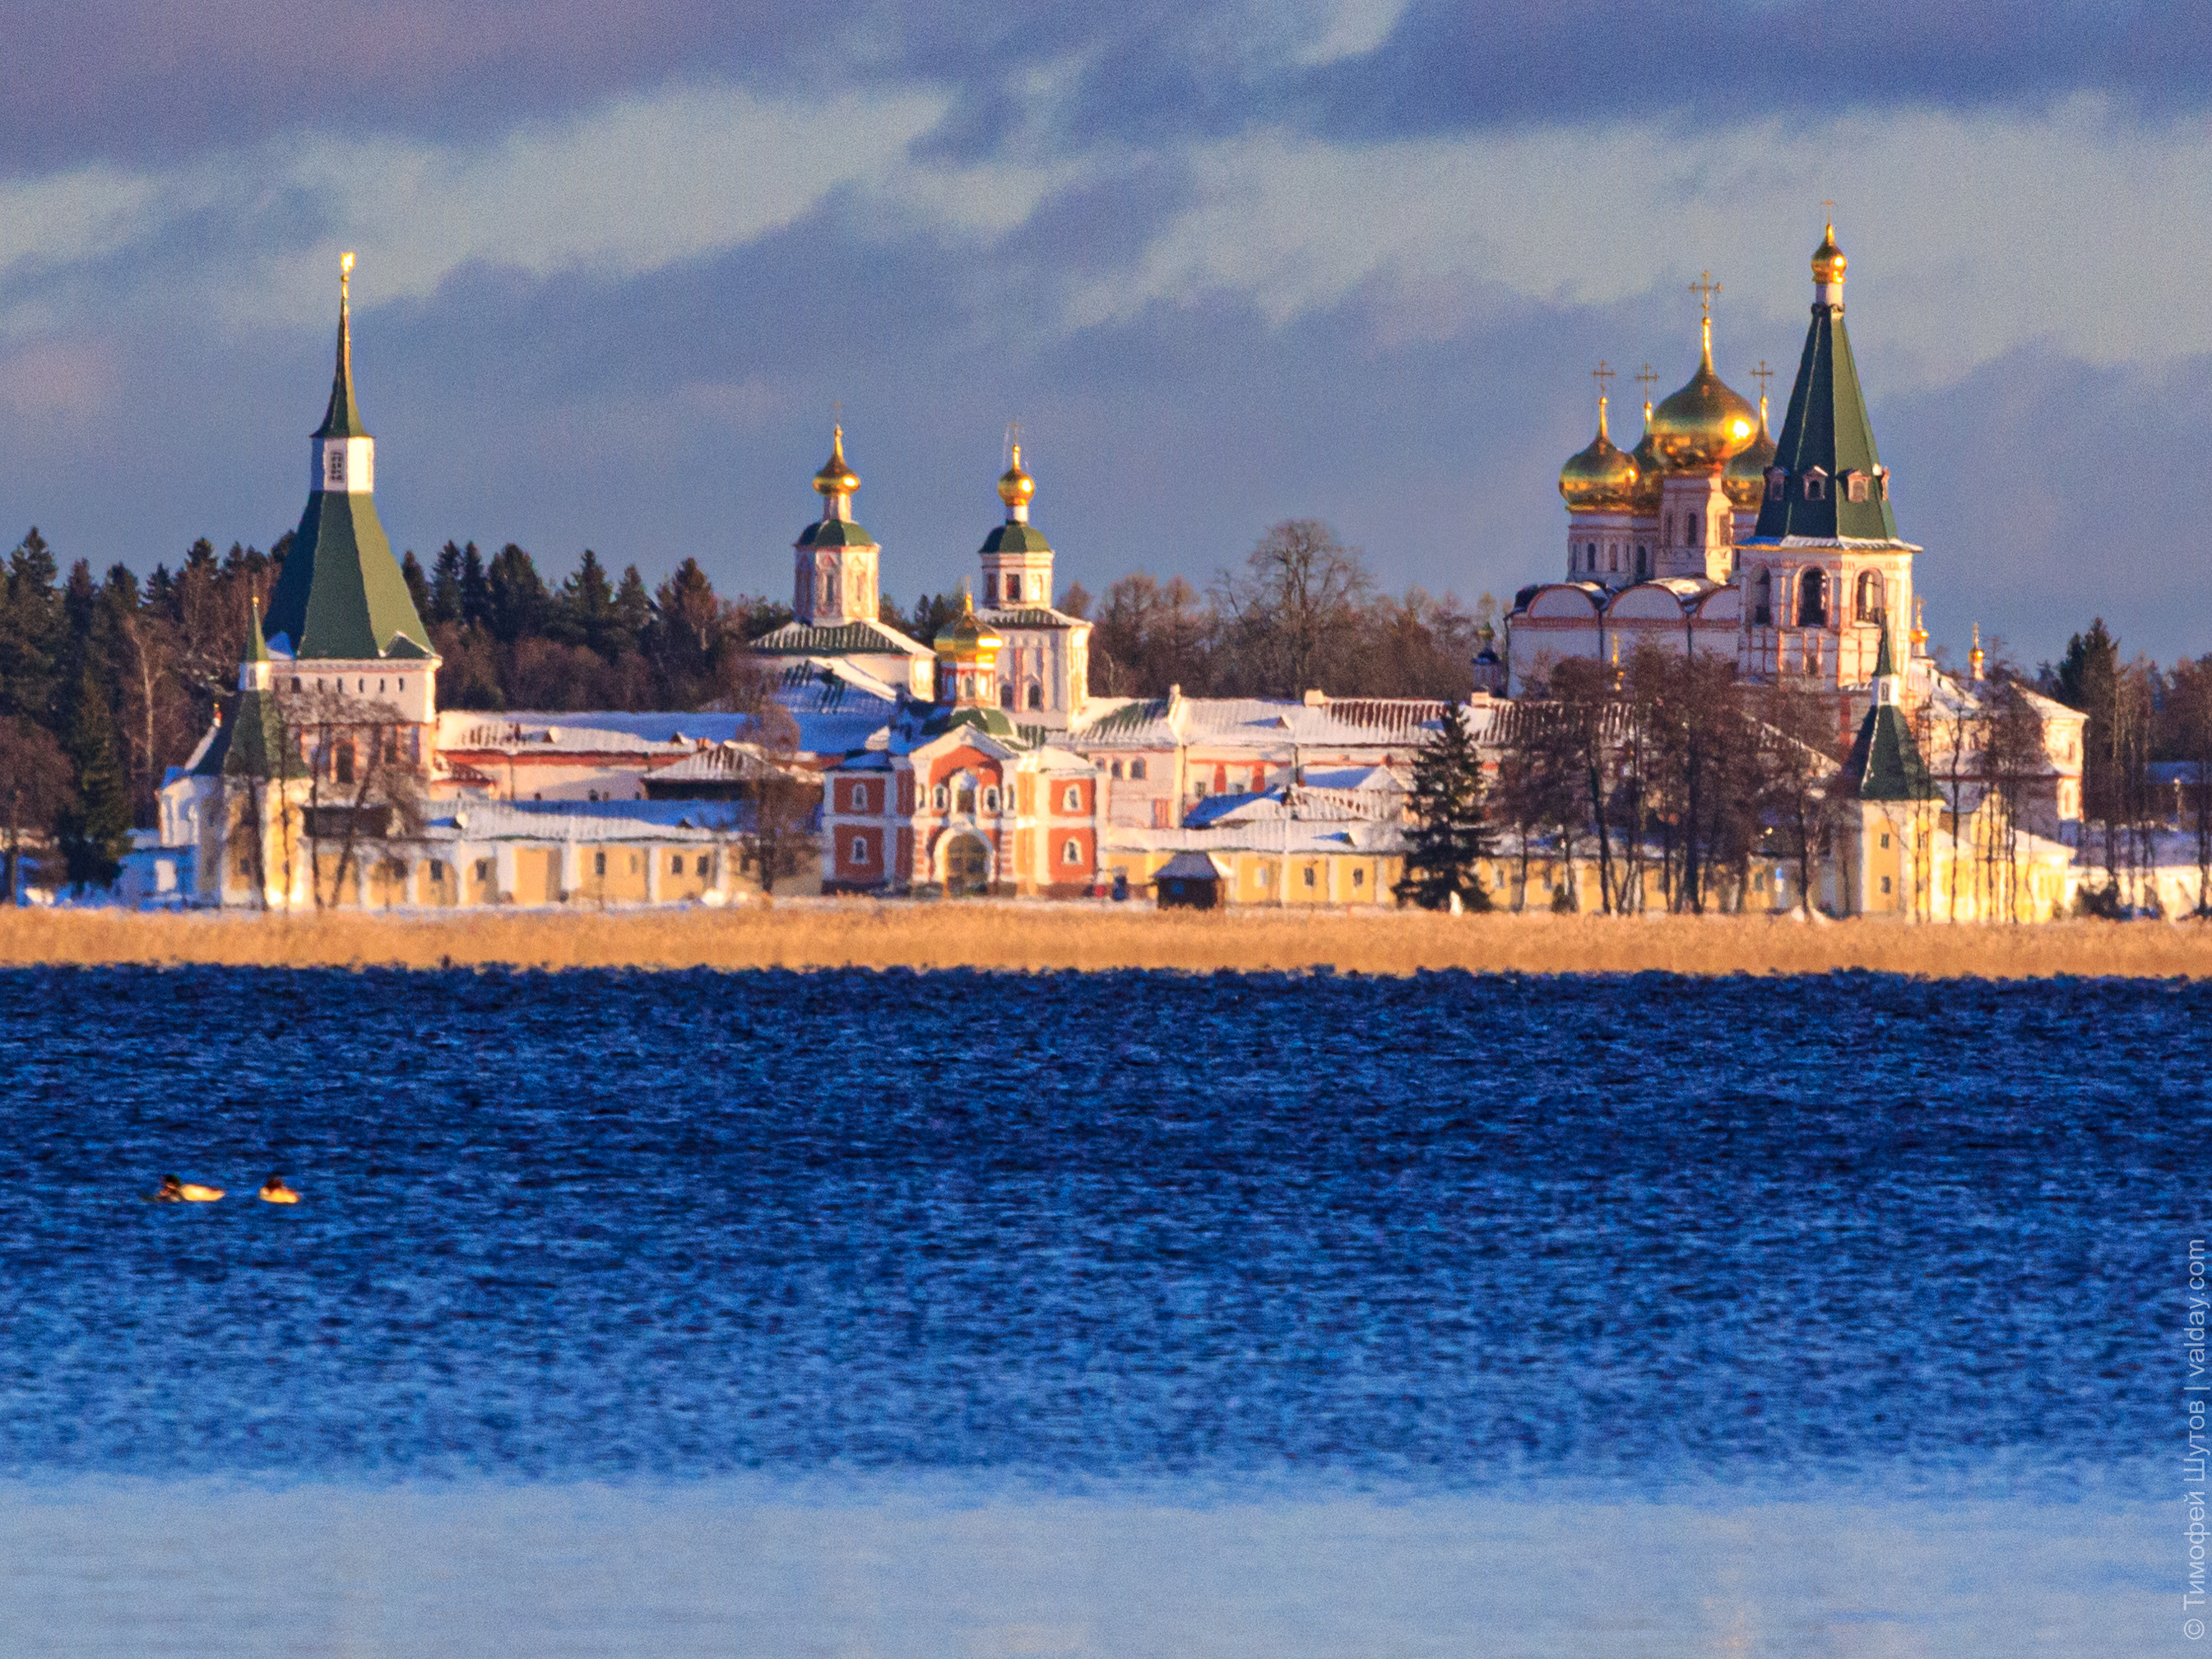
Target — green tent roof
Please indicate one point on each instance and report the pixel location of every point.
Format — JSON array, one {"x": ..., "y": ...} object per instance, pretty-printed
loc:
[
  {"x": 1885, "y": 762},
  {"x": 341, "y": 594},
  {"x": 1827, "y": 428}
]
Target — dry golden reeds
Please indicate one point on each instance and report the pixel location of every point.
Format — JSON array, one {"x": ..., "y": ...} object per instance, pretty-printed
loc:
[{"x": 1028, "y": 937}]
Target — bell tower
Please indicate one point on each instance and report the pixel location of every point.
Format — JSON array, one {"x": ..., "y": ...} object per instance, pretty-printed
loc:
[{"x": 834, "y": 560}]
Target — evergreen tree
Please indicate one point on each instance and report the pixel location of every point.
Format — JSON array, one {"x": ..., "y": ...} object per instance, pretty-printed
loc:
[
  {"x": 476, "y": 589},
  {"x": 446, "y": 587},
  {"x": 94, "y": 828},
  {"x": 632, "y": 612},
  {"x": 519, "y": 605},
  {"x": 1449, "y": 838},
  {"x": 32, "y": 633},
  {"x": 584, "y": 609},
  {"x": 418, "y": 586}
]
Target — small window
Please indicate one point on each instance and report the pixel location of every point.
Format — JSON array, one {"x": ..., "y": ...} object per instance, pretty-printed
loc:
[
  {"x": 437, "y": 869},
  {"x": 1777, "y": 481},
  {"x": 860, "y": 849},
  {"x": 1359, "y": 878},
  {"x": 990, "y": 800},
  {"x": 990, "y": 590},
  {"x": 702, "y": 863},
  {"x": 1885, "y": 843},
  {"x": 483, "y": 869},
  {"x": 675, "y": 865},
  {"x": 1885, "y": 884},
  {"x": 1137, "y": 769},
  {"x": 1006, "y": 694},
  {"x": 1643, "y": 561},
  {"x": 1071, "y": 799},
  {"x": 599, "y": 864},
  {"x": 1855, "y": 487},
  {"x": 295, "y": 682},
  {"x": 1071, "y": 852},
  {"x": 1036, "y": 695},
  {"x": 1310, "y": 875},
  {"x": 1816, "y": 485},
  {"x": 1117, "y": 768},
  {"x": 940, "y": 796}
]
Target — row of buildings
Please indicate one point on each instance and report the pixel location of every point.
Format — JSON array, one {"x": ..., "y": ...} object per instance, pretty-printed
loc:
[{"x": 980, "y": 762}]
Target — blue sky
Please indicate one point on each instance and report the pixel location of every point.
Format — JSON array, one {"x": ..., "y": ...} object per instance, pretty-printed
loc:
[{"x": 1227, "y": 263}]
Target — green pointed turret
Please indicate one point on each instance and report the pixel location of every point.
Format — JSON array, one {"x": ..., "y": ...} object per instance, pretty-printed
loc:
[
  {"x": 1885, "y": 762},
  {"x": 341, "y": 594},
  {"x": 1833, "y": 484}
]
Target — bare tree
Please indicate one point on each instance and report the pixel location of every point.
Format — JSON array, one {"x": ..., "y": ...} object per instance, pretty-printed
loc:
[
  {"x": 1298, "y": 596},
  {"x": 1795, "y": 770},
  {"x": 34, "y": 786}
]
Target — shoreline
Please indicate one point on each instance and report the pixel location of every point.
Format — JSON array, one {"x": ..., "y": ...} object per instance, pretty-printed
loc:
[{"x": 1024, "y": 936}]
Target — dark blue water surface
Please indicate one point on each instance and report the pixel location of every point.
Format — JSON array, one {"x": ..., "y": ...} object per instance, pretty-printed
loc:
[{"x": 1446, "y": 1228}]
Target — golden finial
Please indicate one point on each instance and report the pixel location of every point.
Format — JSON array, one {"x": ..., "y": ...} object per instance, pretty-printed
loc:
[
  {"x": 1016, "y": 487},
  {"x": 1919, "y": 626},
  {"x": 1828, "y": 261},
  {"x": 835, "y": 479},
  {"x": 1603, "y": 375},
  {"x": 1646, "y": 378},
  {"x": 1975, "y": 657}
]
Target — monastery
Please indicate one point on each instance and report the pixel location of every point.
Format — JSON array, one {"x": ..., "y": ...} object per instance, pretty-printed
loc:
[{"x": 980, "y": 762}]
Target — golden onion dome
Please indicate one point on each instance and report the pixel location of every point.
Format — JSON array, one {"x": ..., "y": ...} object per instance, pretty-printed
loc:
[
  {"x": 1828, "y": 261},
  {"x": 964, "y": 636},
  {"x": 1705, "y": 425},
  {"x": 1744, "y": 480},
  {"x": 1600, "y": 479},
  {"x": 835, "y": 479},
  {"x": 1651, "y": 470},
  {"x": 1016, "y": 487}
]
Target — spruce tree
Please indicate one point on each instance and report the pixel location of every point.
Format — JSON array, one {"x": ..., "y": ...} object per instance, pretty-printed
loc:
[
  {"x": 1449, "y": 838},
  {"x": 94, "y": 829}
]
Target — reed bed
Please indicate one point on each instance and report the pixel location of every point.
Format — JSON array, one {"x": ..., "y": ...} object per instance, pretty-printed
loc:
[{"x": 1030, "y": 938}]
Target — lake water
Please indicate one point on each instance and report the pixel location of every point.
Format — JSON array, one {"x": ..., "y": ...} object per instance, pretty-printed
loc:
[{"x": 1126, "y": 1314}]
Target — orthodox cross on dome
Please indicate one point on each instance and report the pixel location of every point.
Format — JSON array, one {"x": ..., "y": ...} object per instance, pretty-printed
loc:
[
  {"x": 1762, "y": 374},
  {"x": 1013, "y": 444},
  {"x": 1603, "y": 375},
  {"x": 1705, "y": 287},
  {"x": 1646, "y": 378}
]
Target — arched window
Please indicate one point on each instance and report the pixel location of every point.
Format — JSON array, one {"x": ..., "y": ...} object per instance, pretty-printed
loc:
[
  {"x": 1137, "y": 768},
  {"x": 1071, "y": 851},
  {"x": 1816, "y": 485},
  {"x": 939, "y": 797},
  {"x": 1036, "y": 695},
  {"x": 1071, "y": 799},
  {"x": 1813, "y": 598},
  {"x": 1006, "y": 694},
  {"x": 1692, "y": 529},
  {"x": 1870, "y": 607},
  {"x": 1643, "y": 561},
  {"x": 963, "y": 794},
  {"x": 1778, "y": 480},
  {"x": 990, "y": 800},
  {"x": 1762, "y": 599},
  {"x": 1117, "y": 768}
]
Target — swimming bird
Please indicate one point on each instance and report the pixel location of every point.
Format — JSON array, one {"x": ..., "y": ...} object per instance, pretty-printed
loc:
[
  {"x": 273, "y": 1191},
  {"x": 174, "y": 1191}
]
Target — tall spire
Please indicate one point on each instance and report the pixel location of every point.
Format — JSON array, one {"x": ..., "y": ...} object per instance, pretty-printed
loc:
[
  {"x": 341, "y": 594},
  {"x": 1833, "y": 484},
  {"x": 342, "y": 419}
]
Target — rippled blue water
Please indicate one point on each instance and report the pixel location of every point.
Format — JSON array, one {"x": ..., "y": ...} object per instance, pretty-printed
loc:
[{"x": 1444, "y": 1232}]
